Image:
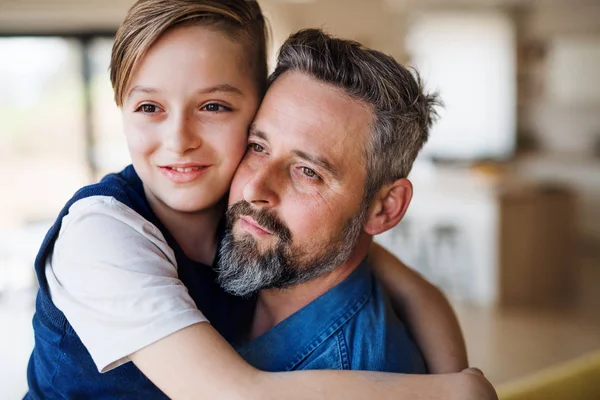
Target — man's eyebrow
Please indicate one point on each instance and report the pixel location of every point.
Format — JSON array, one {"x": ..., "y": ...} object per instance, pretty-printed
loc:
[
  {"x": 319, "y": 161},
  {"x": 254, "y": 131},
  {"x": 223, "y": 88}
]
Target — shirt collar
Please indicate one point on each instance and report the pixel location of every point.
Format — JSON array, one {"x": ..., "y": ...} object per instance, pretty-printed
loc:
[{"x": 285, "y": 345}]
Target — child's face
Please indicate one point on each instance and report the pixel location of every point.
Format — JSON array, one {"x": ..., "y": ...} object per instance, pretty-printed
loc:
[{"x": 186, "y": 117}]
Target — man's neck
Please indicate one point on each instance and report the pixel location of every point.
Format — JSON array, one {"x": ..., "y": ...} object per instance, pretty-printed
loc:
[{"x": 275, "y": 305}]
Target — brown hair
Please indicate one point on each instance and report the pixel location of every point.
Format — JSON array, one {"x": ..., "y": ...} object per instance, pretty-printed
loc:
[
  {"x": 148, "y": 20},
  {"x": 402, "y": 112}
]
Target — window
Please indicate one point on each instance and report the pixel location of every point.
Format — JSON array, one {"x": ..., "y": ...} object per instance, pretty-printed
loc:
[
  {"x": 470, "y": 58},
  {"x": 50, "y": 145},
  {"x": 110, "y": 152}
]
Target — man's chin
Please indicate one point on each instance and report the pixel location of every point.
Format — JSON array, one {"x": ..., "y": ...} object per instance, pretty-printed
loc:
[{"x": 261, "y": 246}]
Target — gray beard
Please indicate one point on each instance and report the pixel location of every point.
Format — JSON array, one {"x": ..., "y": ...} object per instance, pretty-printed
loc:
[{"x": 243, "y": 270}]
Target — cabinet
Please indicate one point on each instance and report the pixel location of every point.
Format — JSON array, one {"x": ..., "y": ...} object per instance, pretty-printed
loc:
[{"x": 486, "y": 241}]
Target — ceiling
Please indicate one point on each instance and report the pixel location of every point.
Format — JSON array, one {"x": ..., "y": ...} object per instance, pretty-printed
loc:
[
  {"x": 55, "y": 16},
  {"x": 31, "y": 16}
]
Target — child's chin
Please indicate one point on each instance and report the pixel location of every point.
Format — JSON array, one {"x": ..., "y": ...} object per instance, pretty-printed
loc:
[{"x": 193, "y": 204}]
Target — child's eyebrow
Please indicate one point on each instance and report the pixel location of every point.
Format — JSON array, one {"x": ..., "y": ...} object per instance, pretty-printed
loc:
[
  {"x": 141, "y": 89},
  {"x": 222, "y": 88}
]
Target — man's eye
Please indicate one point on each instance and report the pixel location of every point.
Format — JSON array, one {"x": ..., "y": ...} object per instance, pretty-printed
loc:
[
  {"x": 215, "y": 108},
  {"x": 309, "y": 173},
  {"x": 257, "y": 148},
  {"x": 147, "y": 108}
]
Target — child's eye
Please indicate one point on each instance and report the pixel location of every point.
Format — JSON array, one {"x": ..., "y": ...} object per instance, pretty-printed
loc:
[
  {"x": 309, "y": 173},
  {"x": 147, "y": 108},
  {"x": 215, "y": 108},
  {"x": 257, "y": 148}
]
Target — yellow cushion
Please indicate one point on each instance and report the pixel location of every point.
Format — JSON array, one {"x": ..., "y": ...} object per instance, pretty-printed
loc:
[{"x": 574, "y": 380}]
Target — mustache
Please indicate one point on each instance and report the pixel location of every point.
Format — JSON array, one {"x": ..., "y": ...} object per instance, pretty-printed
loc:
[{"x": 264, "y": 217}]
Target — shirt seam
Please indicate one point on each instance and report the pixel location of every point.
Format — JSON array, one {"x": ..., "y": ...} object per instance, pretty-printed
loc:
[
  {"x": 110, "y": 201},
  {"x": 329, "y": 331},
  {"x": 63, "y": 334},
  {"x": 65, "y": 225},
  {"x": 343, "y": 349},
  {"x": 125, "y": 208}
]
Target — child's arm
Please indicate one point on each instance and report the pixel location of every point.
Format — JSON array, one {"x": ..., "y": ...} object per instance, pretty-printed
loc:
[
  {"x": 426, "y": 311},
  {"x": 114, "y": 277},
  {"x": 197, "y": 363},
  {"x": 425, "y": 308}
]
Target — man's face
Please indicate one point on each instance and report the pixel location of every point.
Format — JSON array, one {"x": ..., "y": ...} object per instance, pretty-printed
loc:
[{"x": 296, "y": 201}]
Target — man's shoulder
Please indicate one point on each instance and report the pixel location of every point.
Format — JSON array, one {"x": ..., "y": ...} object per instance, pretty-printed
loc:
[
  {"x": 378, "y": 340},
  {"x": 373, "y": 339},
  {"x": 333, "y": 353},
  {"x": 352, "y": 326}
]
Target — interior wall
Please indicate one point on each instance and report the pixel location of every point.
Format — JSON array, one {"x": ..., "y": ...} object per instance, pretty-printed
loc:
[
  {"x": 373, "y": 23},
  {"x": 566, "y": 127},
  {"x": 56, "y": 16}
]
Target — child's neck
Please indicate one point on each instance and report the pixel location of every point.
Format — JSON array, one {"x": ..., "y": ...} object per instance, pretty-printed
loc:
[{"x": 196, "y": 233}]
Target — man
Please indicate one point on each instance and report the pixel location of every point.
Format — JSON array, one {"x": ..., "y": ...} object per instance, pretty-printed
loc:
[
  {"x": 325, "y": 170},
  {"x": 307, "y": 199}
]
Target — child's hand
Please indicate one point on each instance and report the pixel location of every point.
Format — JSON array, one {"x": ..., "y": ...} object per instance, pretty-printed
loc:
[{"x": 478, "y": 387}]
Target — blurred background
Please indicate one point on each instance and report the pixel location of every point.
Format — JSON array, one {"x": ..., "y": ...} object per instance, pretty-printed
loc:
[{"x": 506, "y": 212}]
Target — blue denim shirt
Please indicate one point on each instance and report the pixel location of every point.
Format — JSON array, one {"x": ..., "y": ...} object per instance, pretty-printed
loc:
[{"x": 352, "y": 326}]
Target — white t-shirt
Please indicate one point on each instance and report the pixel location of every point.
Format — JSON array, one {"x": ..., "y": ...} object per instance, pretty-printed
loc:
[{"x": 114, "y": 277}]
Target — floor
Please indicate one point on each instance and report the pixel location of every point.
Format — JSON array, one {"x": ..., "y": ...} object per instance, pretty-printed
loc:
[
  {"x": 505, "y": 344},
  {"x": 511, "y": 343}
]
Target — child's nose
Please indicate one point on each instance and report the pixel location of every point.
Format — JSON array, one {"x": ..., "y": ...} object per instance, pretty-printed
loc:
[{"x": 182, "y": 135}]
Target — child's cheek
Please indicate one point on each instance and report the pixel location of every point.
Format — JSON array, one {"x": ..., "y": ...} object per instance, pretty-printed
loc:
[{"x": 143, "y": 140}]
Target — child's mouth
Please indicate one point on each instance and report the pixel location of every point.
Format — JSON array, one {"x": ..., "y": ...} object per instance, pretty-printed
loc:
[
  {"x": 183, "y": 174},
  {"x": 188, "y": 169}
]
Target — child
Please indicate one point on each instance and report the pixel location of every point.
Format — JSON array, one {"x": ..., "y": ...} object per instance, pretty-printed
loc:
[{"x": 125, "y": 271}]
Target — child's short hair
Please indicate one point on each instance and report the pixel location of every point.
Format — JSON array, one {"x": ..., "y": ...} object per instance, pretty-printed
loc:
[{"x": 148, "y": 20}]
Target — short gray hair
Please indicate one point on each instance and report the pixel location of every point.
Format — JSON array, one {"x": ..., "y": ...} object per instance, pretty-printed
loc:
[{"x": 402, "y": 112}]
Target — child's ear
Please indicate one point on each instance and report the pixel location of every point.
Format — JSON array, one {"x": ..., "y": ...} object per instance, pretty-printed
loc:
[{"x": 388, "y": 206}]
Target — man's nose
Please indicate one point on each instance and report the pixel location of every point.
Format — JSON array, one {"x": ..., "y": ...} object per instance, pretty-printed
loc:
[
  {"x": 182, "y": 134},
  {"x": 264, "y": 186}
]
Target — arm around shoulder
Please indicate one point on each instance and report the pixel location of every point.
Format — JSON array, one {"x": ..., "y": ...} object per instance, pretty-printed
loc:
[
  {"x": 190, "y": 360},
  {"x": 197, "y": 363},
  {"x": 426, "y": 311}
]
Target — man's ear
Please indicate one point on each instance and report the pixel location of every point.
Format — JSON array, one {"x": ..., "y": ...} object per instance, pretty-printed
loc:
[{"x": 388, "y": 206}]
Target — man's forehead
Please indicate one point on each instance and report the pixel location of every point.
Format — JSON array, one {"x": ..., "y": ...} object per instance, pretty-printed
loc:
[
  {"x": 314, "y": 119},
  {"x": 304, "y": 84},
  {"x": 303, "y": 103}
]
